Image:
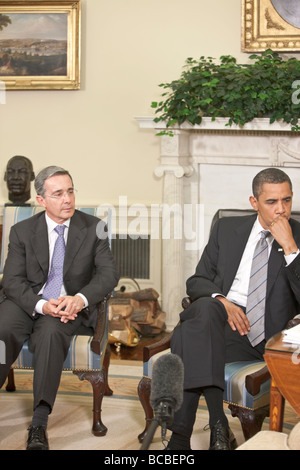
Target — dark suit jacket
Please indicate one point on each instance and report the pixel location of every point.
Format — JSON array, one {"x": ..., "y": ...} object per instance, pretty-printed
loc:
[
  {"x": 89, "y": 267},
  {"x": 221, "y": 258}
]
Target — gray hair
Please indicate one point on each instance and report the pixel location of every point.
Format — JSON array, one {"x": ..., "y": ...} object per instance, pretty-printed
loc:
[
  {"x": 45, "y": 174},
  {"x": 271, "y": 176}
]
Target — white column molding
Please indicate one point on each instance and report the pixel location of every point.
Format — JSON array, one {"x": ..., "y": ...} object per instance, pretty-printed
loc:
[{"x": 174, "y": 165}]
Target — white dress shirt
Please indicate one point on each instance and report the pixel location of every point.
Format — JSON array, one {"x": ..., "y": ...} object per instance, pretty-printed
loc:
[
  {"x": 239, "y": 290},
  {"x": 52, "y": 236}
]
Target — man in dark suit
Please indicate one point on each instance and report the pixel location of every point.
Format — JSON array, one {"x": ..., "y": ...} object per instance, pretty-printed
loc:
[
  {"x": 215, "y": 329},
  {"x": 89, "y": 274}
]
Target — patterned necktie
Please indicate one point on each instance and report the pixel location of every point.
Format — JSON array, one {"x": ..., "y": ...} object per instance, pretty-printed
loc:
[
  {"x": 257, "y": 291},
  {"x": 55, "y": 277}
]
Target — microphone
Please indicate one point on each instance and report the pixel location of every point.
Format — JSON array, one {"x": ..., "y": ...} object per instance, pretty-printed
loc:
[{"x": 166, "y": 393}]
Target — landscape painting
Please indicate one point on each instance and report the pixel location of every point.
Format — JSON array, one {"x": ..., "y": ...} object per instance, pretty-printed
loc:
[
  {"x": 39, "y": 48},
  {"x": 34, "y": 44}
]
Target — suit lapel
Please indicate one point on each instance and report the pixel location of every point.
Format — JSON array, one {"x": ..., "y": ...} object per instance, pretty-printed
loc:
[
  {"x": 76, "y": 236},
  {"x": 236, "y": 247},
  {"x": 40, "y": 243},
  {"x": 276, "y": 262}
]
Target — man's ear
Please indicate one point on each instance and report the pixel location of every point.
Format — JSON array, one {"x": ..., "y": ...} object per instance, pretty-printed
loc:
[
  {"x": 40, "y": 200},
  {"x": 253, "y": 202}
]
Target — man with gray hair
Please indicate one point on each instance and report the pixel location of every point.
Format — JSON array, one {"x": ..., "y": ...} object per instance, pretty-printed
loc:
[{"x": 44, "y": 303}]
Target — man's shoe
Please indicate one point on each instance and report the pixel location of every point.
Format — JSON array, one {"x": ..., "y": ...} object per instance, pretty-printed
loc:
[
  {"x": 222, "y": 438},
  {"x": 37, "y": 438}
]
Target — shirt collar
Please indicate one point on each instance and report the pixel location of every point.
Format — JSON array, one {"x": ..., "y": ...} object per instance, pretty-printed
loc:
[
  {"x": 258, "y": 228},
  {"x": 51, "y": 224}
]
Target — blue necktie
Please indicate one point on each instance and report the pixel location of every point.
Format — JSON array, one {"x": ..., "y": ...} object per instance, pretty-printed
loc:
[
  {"x": 55, "y": 278},
  {"x": 257, "y": 291}
]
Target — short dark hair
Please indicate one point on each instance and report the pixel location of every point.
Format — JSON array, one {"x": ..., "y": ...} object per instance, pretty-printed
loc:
[
  {"x": 271, "y": 176},
  {"x": 46, "y": 173}
]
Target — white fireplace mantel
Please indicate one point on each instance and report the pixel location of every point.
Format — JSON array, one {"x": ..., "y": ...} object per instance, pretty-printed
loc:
[
  {"x": 219, "y": 124},
  {"x": 208, "y": 167}
]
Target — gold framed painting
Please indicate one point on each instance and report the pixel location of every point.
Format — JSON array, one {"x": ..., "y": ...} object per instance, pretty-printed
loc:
[
  {"x": 40, "y": 44},
  {"x": 270, "y": 24}
]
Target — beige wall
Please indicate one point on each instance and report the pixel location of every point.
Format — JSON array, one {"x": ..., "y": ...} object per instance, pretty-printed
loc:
[{"x": 128, "y": 48}]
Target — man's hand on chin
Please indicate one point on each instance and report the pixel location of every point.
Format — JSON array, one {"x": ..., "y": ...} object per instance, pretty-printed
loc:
[{"x": 281, "y": 230}]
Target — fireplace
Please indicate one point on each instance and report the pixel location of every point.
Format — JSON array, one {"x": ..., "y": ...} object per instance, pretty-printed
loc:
[{"x": 206, "y": 168}]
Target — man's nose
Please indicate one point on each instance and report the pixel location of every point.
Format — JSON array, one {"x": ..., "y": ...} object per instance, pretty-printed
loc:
[{"x": 280, "y": 208}]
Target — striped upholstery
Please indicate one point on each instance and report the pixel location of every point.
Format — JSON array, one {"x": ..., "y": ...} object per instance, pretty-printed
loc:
[
  {"x": 235, "y": 392},
  {"x": 148, "y": 366},
  {"x": 80, "y": 355}
]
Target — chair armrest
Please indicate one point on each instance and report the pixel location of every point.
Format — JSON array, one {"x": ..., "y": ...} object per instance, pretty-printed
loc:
[
  {"x": 155, "y": 348},
  {"x": 254, "y": 381},
  {"x": 100, "y": 326}
]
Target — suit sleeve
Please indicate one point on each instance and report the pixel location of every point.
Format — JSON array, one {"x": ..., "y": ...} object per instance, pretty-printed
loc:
[
  {"x": 202, "y": 283},
  {"x": 17, "y": 286},
  {"x": 293, "y": 274},
  {"x": 105, "y": 274}
]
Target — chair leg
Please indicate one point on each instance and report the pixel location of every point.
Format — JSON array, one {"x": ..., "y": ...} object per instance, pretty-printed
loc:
[
  {"x": 106, "y": 363},
  {"x": 10, "y": 386},
  {"x": 251, "y": 421},
  {"x": 98, "y": 382},
  {"x": 144, "y": 390}
]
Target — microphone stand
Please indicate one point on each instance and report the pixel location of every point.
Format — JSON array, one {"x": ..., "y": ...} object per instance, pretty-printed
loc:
[
  {"x": 155, "y": 422},
  {"x": 164, "y": 415}
]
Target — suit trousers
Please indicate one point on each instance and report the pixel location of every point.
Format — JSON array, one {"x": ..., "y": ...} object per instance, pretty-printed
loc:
[
  {"x": 49, "y": 341},
  {"x": 205, "y": 342}
]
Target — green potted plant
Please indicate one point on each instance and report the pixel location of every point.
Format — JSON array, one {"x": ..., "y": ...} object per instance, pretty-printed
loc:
[{"x": 239, "y": 92}]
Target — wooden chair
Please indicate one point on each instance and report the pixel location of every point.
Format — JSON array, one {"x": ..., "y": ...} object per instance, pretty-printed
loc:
[
  {"x": 247, "y": 384},
  {"x": 89, "y": 351}
]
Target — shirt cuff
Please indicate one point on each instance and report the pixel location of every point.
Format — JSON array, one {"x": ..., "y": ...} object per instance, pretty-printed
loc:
[
  {"x": 84, "y": 299},
  {"x": 39, "y": 306},
  {"x": 41, "y": 303},
  {"x": 290, "y": 258}
]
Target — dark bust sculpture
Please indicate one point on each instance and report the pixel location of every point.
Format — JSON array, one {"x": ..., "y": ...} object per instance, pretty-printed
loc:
[{"x": 18, "y": 176}]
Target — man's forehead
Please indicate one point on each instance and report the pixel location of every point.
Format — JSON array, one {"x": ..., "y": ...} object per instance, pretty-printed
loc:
[
  {"x": 276, "y": 191},
  {"x": 59, "y": 182}
]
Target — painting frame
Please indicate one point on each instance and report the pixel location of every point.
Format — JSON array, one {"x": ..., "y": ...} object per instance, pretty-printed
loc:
[
  {"x": 65, "y": 50},
  {"x": 264, "y": 28}
]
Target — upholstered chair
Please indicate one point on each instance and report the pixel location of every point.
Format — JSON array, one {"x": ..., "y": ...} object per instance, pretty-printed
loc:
[
  {"x": 247, "y": 384},
  {"x": 89, "y": 352}
]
